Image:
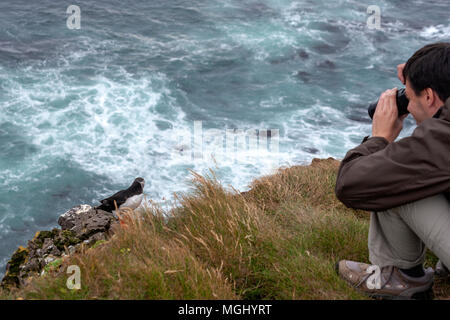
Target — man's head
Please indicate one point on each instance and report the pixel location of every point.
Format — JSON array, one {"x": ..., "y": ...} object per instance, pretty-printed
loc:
[{"x": 427, "y": 75}]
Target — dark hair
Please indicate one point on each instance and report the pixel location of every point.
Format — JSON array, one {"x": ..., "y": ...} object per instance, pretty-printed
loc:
[{"x": 429, "y": 67}]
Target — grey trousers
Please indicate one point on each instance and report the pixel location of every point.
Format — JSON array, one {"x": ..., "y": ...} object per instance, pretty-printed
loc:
[{"x": 400, "y": 236}]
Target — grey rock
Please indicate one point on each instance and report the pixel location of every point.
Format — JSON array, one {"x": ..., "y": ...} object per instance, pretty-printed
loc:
[
  {"x": 96, "y": 237},
  {"x": 49, "y": 259},
  {"x": 86, "y": 221},
  {"x": 32, "y": 265},
  {"x": 72, "y": 249},
  {"x": 48, "y": 245},
  {"x": 69, "y": 219},
  {"x": 55, "y": 251}
]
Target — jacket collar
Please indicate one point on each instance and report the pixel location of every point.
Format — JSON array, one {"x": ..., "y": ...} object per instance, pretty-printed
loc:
[{"x": 444, "y": 111}]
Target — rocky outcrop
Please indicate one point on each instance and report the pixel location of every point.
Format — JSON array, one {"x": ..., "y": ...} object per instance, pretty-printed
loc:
[
  {"x": 85, "y": 221},
  {"x": 81, "y": 225}
]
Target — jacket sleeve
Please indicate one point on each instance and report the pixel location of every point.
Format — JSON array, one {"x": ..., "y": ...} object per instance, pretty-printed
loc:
[{"x": 378, "y": 175}]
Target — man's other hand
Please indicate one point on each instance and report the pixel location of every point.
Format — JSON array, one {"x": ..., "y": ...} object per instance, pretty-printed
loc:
[{"x": 386, "y": 122}]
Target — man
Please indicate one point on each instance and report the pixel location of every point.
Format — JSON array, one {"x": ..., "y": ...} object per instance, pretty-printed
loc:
[{"x": 405, "y": 184}]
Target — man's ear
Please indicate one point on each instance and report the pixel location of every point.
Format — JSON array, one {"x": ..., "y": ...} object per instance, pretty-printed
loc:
[
  {"x": 432, "y": 100},
  {"x": 430, "y": 96}
]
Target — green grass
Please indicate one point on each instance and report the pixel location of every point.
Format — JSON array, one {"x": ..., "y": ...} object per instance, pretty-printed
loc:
[{"x": 278, "y": 241}]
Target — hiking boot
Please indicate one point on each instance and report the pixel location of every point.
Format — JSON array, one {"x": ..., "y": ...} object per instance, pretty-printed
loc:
[
  {"x": 441, "y": 270},
  {"x": 386, "y": 283}
]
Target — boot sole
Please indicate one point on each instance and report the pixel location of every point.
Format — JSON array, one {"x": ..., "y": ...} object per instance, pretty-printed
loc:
[{"x": 424, "y": 295}]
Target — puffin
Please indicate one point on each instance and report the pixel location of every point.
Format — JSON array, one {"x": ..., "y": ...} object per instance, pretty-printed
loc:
[{"x": 128, "y": 198}]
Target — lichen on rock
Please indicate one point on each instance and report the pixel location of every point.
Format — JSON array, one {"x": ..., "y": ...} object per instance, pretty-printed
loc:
[
  {"x": 81, "y": 224},
  {"x": 11, "y": 277}
]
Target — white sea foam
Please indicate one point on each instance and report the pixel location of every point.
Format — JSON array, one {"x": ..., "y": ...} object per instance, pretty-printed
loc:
[
  {"x": 439, "y": 31},
  {"x": 109, "y": 128}
]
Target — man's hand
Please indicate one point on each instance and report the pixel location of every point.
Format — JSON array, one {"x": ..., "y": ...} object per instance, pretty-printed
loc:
[
  {"x": 400, "y": 68},
  {"x": 386, "y": 122}
]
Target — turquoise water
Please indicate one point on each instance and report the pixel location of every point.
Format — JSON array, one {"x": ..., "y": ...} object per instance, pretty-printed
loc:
[{"x": 83, "y": 112}]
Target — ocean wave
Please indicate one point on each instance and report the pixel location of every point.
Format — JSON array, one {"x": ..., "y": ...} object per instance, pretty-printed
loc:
[{"x": 439, "y": 31}]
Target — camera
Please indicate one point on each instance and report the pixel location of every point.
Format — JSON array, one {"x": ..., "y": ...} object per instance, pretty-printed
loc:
[{"x": 402, "y": 104}]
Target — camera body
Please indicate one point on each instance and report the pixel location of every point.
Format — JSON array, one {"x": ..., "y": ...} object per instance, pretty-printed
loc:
[{"x": 402, "y": 104}]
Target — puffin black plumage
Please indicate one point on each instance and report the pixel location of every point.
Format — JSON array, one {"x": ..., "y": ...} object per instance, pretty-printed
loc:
[{"x": 130, "y": 198}]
